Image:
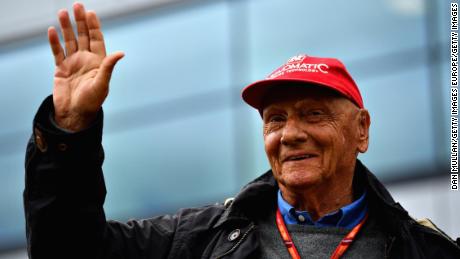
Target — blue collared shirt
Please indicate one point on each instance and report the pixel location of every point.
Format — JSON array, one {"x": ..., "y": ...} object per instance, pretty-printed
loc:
[{"x": 346, "y": 217}]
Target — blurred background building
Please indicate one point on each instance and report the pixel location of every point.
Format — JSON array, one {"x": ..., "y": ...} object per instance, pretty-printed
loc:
[{"x": 177, "y": 133}]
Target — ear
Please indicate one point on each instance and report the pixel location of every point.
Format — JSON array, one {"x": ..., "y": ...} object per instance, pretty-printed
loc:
[{"x": 363, "y": 130}]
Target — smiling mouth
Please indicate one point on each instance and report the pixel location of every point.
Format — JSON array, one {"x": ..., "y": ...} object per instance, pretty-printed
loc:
[{"x": 298, "y": 158}]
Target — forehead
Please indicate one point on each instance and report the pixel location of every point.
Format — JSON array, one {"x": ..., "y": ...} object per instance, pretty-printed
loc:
[{"x": 304, "y": 93}]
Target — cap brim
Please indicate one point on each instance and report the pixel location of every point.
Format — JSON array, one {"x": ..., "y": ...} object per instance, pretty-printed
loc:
[{"x": 255, "y": 93}]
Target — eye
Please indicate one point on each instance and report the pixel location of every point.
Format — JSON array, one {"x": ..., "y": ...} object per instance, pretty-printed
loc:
[
  {"x": 275, "y": 118},
  {"x": 314, "y": 115},
  {"x": 273, "y": 122}
]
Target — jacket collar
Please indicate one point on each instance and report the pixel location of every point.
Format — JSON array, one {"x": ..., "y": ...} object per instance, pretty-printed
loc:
[{"x": 259, "y": 196}]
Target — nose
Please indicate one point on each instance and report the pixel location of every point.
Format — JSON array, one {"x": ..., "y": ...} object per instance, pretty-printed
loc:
[{"x": 293, "y": 133}]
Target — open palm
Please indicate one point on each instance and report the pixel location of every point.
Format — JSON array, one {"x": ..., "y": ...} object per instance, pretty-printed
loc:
[{"x": 81, "y": 80}]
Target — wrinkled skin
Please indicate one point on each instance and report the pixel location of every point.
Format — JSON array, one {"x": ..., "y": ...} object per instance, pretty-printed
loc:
[{"x": 312, "y": 137}]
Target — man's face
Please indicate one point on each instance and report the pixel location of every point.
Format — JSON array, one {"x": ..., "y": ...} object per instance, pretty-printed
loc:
[{"x": 312, "y": 136}]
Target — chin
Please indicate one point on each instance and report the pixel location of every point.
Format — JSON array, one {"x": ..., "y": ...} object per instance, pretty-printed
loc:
[{"x": 300, "y": 178}]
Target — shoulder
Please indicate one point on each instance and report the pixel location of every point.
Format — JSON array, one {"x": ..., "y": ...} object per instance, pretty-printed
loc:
[
  {"x": 199, "y": 218},
  {"x": 415, "y": 238},
  {"x": 410, "y": 238},
  {"x": 432, "y": 240}
]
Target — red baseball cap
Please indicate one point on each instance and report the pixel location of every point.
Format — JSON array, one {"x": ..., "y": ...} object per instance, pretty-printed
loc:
[{"x": 308, "y": 71}]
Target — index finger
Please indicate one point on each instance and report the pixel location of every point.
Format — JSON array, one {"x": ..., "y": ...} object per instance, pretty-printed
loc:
[{"x": 96, "y": 39}]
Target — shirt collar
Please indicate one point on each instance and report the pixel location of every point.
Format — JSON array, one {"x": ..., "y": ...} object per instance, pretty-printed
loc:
[{"x": 346, "y": 217}]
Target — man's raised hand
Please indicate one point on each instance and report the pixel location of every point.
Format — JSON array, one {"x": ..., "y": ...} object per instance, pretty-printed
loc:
[{"x": 81, "y": 80}]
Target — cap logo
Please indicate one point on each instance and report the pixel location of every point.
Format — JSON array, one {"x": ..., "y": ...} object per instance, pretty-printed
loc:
[
  {"x": 296, "y": 59},
  {"x": 300, "y": 67}
]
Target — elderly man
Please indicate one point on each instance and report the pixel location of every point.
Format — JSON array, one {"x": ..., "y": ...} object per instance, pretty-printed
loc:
[{"x": 317, "y": 201}]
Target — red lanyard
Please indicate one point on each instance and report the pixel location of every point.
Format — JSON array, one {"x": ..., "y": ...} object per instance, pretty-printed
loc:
[{"x": 339, "y": 251}]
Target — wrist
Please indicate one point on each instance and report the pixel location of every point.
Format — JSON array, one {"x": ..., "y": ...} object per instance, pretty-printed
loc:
[{"x": 74, "y": 122}]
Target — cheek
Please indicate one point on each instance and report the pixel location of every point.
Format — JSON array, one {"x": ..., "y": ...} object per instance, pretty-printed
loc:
[
  {"x": 272, "y": 142},
  {"x": 338, "y": 147},
  {"x": 330, "y": 142}
]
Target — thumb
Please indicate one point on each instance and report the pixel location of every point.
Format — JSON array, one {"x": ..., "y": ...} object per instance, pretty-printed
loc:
[{"x": 107, "y": 66}]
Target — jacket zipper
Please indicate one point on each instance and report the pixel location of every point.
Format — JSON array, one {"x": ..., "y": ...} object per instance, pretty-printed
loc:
[{"x": 251, "y": 227}]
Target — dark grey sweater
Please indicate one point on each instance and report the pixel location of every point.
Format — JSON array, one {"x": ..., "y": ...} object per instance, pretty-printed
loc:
[{"x": 314, "y": 242}]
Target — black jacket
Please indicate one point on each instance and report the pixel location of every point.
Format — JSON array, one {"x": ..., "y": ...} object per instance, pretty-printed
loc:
[{"x": 65, "y": 192}]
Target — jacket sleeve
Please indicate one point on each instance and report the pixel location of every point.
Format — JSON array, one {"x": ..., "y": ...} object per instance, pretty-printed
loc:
[{"x": 64, "y": 195}]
